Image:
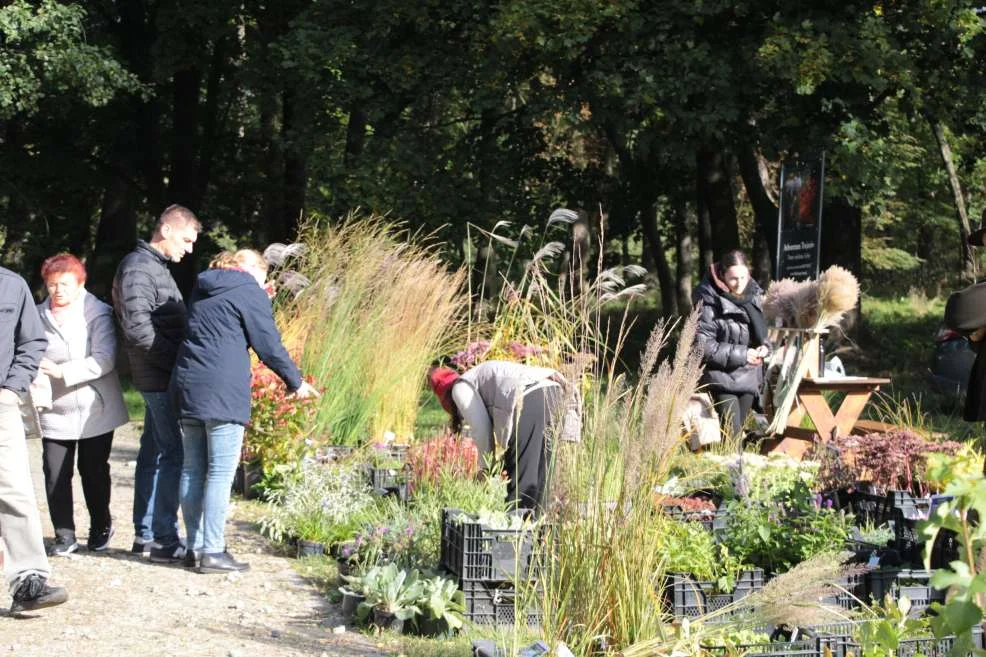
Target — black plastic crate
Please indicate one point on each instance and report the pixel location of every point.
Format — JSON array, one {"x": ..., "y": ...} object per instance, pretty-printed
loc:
[
  {"x": 907, "y": 539},
  {"x": 773, "y": 649},
  {"x": 388, "y": 481},
  {"x": 475, "y": 552},
  {"x": 687, "y": 597},
  {"x": 854, "y": 586},
  {"x": 833, "y": 636},
  {"x": 498, "y": 603},
  {"x": 707, "y": 518},
  {"x": 913, "y": 508},
  {"x": 871, "y": 509},
  {"x": 928, "y": 647},
  {"x": 915, "y": 584}
]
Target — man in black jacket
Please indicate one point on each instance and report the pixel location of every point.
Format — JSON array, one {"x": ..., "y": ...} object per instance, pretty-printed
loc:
[
  {"x": 151, "y": 313},
  {"x": 21, "y": 349}
]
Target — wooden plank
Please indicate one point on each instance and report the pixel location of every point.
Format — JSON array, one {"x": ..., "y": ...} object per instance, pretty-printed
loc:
[
  {"x": 819, "y": 412},
  {"x": 863, "y": 427},
  {"x": 850, "y": 410},
  {"x": 793, "y": 447},
  {"x": 847, "y": 385}
]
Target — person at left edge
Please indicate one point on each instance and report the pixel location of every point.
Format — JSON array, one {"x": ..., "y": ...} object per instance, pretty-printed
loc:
[{"x": 22, "y": 344}]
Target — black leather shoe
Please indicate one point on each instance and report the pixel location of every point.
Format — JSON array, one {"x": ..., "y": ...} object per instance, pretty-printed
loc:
[
  {"x": 221, "y": 563},
  {"x": 191, "y": 559}
]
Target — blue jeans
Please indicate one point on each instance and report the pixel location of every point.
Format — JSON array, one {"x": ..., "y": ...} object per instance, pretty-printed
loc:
[
  {"x": 212, "y": 452},
  {"x": 157, "y": 473}
]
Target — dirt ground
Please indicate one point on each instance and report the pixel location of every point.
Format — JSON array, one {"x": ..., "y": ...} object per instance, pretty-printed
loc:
[{"x": 122, "y": 605}]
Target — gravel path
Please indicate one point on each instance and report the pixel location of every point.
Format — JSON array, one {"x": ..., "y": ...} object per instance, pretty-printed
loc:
[{"x": 122, "y": 605}]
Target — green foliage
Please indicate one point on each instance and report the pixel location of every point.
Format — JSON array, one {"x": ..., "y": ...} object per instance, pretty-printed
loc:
[
  {"x": 687, "y": 547},
  {"x": 961, "y": 477},
  {"x": 882, "y": 636},
  {"x": 778, "y": 534},
  {"x": 321, "y": 503},
  {"x": 442, "y": 600},
  {"x": 44, "y": 57}
]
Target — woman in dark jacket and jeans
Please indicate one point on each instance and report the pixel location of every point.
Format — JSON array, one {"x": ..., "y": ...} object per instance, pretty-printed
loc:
[
  {"x": 732, "y": 333},
  {"x": 228, "y": 314}
]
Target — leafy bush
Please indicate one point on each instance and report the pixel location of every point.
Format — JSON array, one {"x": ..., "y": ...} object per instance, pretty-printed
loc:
[
  {"x": 686, "y": 547},
  {"x": 445, "y": 455},
  {"x": 777, "y": 535},
  {"x": 894, "y": 460},
  {"x": 277, "y": 435},
  {"x": 324, "y": 503}
]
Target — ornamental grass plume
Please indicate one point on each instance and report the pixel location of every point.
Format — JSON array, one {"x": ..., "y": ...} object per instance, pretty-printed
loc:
[
  {"x": 794, "y": 598},
  {"x": 380, "y": 305},
  {"x": 838, "y": 293},
  {"x": 805, "y": 304},
  {"x": 777, "y": 302}
]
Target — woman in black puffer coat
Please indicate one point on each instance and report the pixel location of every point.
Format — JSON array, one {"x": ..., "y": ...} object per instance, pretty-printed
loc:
[{"x": 732, "y": 334}]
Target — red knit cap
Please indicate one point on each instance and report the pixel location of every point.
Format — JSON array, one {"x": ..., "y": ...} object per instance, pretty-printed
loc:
[{"x": 441, "y": 380}]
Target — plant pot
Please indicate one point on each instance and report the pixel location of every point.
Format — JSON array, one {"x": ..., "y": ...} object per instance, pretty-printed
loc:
[
  {"x": 248, "y": 475},
  {"x": 387, "y": 621},
  {"x": 310, "y": 548},
  {"x": 345, "y": 567},
  {"x": 350, "y": 601},
  {"x": 433, "y": 627}
]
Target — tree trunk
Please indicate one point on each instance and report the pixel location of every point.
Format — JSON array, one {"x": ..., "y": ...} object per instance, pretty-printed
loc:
[
  {"x": 115, "y": 235},
  {"x": 765, "y": 214},
  {"x": 842, "y": 244},
  {"x": 652, "y": 236},
  {"x": 945, "y": 150},
  {"x": 716, "y": 191},
  {"x": 683, "y": 257},
  {"x": 355, "y": 133},
  {"x": 706, "y": 257},
  {"x": 295, "y": 169},
  {"x": 184, "y": 144}
]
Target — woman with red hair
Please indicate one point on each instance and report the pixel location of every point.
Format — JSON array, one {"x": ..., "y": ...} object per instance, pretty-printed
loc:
[
  {"x": 85, "y": 405},
  {"x": 521, "y": 408}
]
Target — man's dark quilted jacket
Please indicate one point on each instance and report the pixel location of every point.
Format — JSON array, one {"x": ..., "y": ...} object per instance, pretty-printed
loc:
[{"x": 151, "y": 313}]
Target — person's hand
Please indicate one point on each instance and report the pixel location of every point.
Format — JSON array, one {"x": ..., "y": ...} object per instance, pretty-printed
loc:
[
  {"x": 305, "y": 391},
  {"x": 50, "y": 368},
  {"x": 8, "y": 397},
  {"x": 753, "y": 357},
  {"x": 763, "y": 350}
]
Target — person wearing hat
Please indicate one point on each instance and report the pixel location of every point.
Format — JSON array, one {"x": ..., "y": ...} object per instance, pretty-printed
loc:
[
  {"x": 515, "y": 405},
  {"x": 965, "y": 312}
]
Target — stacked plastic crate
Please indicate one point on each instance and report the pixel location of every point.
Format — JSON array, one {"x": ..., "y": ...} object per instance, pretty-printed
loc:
[{"x": 493, "y": 568}]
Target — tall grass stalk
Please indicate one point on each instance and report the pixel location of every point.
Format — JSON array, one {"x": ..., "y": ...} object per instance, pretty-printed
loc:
[
  {"x": 604, "y": 577},
  {"x": 380, "y": 305}
]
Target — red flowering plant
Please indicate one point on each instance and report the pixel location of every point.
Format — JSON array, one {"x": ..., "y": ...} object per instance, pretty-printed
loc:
[
  {"x": 444, "y": 455},
  {"x": 279, "y": 424}
]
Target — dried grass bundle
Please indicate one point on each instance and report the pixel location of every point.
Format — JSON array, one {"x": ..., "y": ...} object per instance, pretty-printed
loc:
[
  {"x": 777, "y": 302},
  {"x": 812, "y": 304},
  {"x": 805, "y": 304},
  {"x": 794, "y": 598},
  {"x": 838, "y": 293}
]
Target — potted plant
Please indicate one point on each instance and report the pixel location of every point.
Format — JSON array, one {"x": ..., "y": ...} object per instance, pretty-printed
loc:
[
  {"x": 392, "y": 595},
  {"x": 443, "y": 607},
  {"x": 352, "y": 594},
  {"x": 310, "y": 530}
]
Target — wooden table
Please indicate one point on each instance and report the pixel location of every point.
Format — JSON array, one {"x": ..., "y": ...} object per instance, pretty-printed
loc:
[{"x": 828, "y": 424}]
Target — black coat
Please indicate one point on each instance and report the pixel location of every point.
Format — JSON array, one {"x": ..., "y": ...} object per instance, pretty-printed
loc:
[
  {"x": 724, "y": 338},
  {"x": 966, "y": 312},
  {"x": 228, "y": 313},
  {"x": 151, "y": 313}
]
